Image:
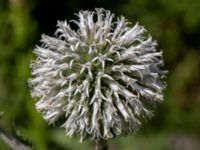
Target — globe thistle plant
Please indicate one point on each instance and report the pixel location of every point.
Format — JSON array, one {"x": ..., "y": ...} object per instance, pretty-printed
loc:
[{"x": 100, "y": 79}]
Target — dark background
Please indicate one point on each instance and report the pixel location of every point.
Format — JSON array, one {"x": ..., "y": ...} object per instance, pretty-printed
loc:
[{"x": 174, "y": 23}]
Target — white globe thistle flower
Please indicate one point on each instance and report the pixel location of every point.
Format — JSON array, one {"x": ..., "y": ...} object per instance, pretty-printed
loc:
[{"x": 98, "y": 79}]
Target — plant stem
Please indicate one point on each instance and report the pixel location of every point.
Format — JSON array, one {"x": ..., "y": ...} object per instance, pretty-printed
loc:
[
  {"x": 12, "y": 141},
  {"x": 100, "y": 145}
]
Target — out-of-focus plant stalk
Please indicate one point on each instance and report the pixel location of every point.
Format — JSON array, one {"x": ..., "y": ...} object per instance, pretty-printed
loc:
[{"x": 12, "y": 141}]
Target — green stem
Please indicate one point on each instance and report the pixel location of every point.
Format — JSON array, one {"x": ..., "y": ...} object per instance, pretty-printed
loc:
[{"x": 100, "y": 145}]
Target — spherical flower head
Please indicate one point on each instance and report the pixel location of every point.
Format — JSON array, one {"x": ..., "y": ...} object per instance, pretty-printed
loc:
[{"x": 100, "y": 79}]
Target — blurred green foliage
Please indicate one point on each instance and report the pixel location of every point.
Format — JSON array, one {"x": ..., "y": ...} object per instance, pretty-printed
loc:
[{"x": 176, "y": 26}]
